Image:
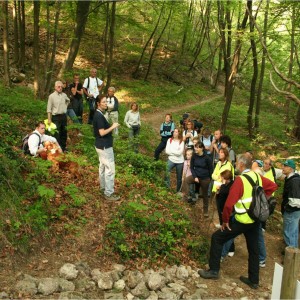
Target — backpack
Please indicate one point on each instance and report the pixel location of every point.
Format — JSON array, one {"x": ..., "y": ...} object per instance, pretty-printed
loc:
[
  {"x": 24, "y": 146},
  {"x": 211, "y": 137},
  {"x": 259, "y": 209},
  {"x": 88, "y": 85}
]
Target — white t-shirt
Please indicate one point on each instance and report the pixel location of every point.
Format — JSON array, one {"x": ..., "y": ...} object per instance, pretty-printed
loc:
[
  {"x": 93, "y": 86},
  {"x": 189, "y": 141}
]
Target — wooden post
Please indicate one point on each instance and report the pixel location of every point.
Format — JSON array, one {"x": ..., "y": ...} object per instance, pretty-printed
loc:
[{"x": 290, "y": 273}]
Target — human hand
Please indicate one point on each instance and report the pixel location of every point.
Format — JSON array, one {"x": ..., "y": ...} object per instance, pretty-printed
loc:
[
  {"x": 115, "y": 125},
  {"x": 224, "y": 226},
  {"x": 197, "y": 179}
]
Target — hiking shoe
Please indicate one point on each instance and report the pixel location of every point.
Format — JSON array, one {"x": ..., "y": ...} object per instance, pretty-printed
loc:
[
  {"x": 262, "y": 264},
  {"x": 210, "y": 274},
  {"x": 230, "y": 254},
  {"x": 112, "y": 197},
  {"x": 247, "y": 281}
]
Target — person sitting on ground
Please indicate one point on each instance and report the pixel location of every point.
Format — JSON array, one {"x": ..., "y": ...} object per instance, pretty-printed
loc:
[
  {"x": 166, "y": 131},
  {"x": 189, "y": 134},
  {"x": 225, "y": 141},
  {"x": 133, "y": 122},
  {"x": 187, "y": 172},
  {"x": 201, "y": 168},
  {"x": 112, "y": 113},
  {"x": 174, "y": 150},
  {"x": 37, "y": 138}
]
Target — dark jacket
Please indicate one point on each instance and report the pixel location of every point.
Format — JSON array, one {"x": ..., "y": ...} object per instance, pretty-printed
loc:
[
  {"x": 291, "y": 189},
  {"x": 201, "y": 166}
]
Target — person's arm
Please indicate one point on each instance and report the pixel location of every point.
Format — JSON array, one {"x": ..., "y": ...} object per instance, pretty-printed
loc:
[
  {"x": 104, "y": 132},
  {"x": 100, "y": 86},
  {"x": 33, "y": 144},
  {"x": 162, "y": 130},
  {"x": 268, "y": 185},
  {"x": 168, "y": 147},
  {"x": 126, "y": 119},
  {"x": 139, "y": 119},
  {"x": 49, "y": 110}
]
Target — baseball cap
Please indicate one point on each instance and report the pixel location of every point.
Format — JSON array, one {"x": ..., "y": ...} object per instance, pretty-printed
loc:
[{"x": 290, "y": 163}]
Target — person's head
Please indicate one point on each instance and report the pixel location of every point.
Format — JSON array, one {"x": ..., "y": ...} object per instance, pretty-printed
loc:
[
  {"x": 40, "y": 127},
  {"x": 189, "y": 154},
  {"x": 177, "y": 134},
  {"x": 199, "y": 148},
  {"x": 225, "y": 141},
  {"x": 101, "y": 102},
  {"x": 217, "y": 134},
  {"x": 206, "y": 132},
  {"x": 243, "y": 162},
  {"x": 250, "y": 153},
  {"x": 168, "y": 118},
  {"x": 185, "y": 116},
  {"x": 93, "y": 72},
  {"x": 289, "y": 167},
  {"x": 76, "y": 78},
  {"x": 111, "y": 91},
  {"x": 189, "y": 124},
  {"x": 267, "y": 165},
  {"x": 226, "y": 175},
  {"x": 58, "y": 86},
  {"x": 223, "y": 154},
  {"x": 134, "y": 106},
  {"x": 195, "y": 140}
]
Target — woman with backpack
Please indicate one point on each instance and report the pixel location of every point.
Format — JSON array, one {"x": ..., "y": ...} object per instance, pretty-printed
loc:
[{"x": 189, "y": 134}]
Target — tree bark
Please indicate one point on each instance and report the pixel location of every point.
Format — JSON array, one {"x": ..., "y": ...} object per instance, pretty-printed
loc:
[
  {"x": 5, "y": 44},
  {"x": 16, "y": 34},
  {"x": 296, "y": 130},
  {"x": 186, "y": 26},
  {"x": 21, "y": 17},
  {"x": 105, "y": 35},
  {"x": 82, "y": 13},
  {"x": 36, "y": 46}
]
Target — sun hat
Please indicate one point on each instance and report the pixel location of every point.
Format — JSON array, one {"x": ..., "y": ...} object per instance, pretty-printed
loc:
[{"x": 290, "y": 163}]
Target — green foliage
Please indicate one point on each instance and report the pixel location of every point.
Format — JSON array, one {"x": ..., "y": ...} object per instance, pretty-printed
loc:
[
  {"x": 75, "y": 194},
  {"x": 199, "y": 249}
]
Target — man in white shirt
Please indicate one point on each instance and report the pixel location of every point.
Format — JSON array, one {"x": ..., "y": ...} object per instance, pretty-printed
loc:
[
  {"x": 92, "y": 87},
  {"x": 36, "y": 139}
]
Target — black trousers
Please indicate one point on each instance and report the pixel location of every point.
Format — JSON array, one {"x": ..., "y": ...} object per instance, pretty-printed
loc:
[
  {"x": 162, "y": 145},
  {"x": 61, "y": 135},
  {"x": 250, "y": 232}
]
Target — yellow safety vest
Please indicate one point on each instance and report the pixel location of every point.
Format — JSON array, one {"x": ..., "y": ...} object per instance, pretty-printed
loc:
[
  {"x": 269, "y": 175},
  {"x": 240, "y": 211}
]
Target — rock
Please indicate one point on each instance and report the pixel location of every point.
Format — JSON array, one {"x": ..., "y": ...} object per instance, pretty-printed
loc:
[
  {"x": 195, "y": 275},
  {"x": 239, "y": 290},
  {"x": 4, "y": 295},
  {"x": 196, "y": 296},
  {"x": 133, "y": 278},
  {"x": 178, "y": 289},
  {"x": 170, "y": 273},
  {"x": 119, "y": 285},
  {"x": 156, "y": 281},
  {"x": 201, "y": 285},
  {"x": 115, "y": 275},
  {"x": 48, "y": 286},
  {"x": 105, "y": 282},
  {"x": 83, "y": 267},
  {"x": 153, "y": 296},
  {"x": 167, "y": 294},
  {"x": 244, "y": 298},
  {"x": 182, "y": 273},
  {"x": 65, "y": 285},
  {"x": 96, "y": 274},
  {"x": 226, "y": 287},
  {"x": 115, "y": 296},
  {"x": 147, "y": 274},
  {"x": 129, "y": 296},
  {"x": 85, "y": 284},
  {"x": 71, "y": 296},
  {"x": 190, "y": 270},
  {"x": 234, "y": 284},
  {"x": 68, "y": 271},
  {"x": 30, "y": 278},
  {"x": 28, "y": 287},
  {"x": 119, "y": 268},
  {"x": 141, "y": 290}
]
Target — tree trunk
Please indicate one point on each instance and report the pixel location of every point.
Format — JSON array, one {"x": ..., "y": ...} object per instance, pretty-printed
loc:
[
  {"x": 262, "y": 69},
  {"x": 186, "y": 26},
  {"x": 156, "y": 44},
  {"x": 296, "y": 129},
  {"x": 254, "y": 75},
  {"x": 36, "y": 46},
  {"x": 5, "y": 43},
  {"x": 21, "y": 17},
  {"x": 230, "y": 84},
  {"x": 136, "y": 71},
  {"x": 81, "y": 19},
  {"x": 105, "y": 35},
  {"x": 111, "y": 44},
  {"x": 16, "y": 34}
]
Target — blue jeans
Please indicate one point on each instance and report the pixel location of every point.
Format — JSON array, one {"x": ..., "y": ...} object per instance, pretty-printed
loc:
[
  {"x": 72, "y": 115},
  {"x": 106, "y": 170},
  {"x": 226, "y": 247},
  {"x": 179, "y": 169},
  {"x": 291, "y": 228},
  {"x": 262, "y": 254}
]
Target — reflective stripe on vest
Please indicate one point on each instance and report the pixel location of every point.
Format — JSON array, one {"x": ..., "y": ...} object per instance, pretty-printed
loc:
[{"x": 241, "y": 214}]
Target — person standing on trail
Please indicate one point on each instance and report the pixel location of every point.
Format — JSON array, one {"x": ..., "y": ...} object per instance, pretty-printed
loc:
[
  {"x": 290, "y": 206},
  {"x": 239, "y": 198},
  {"x": 166, "y": 131},
  {"x": 189, "y": 134},
  {"x": 91, "y": 88},
  {"x": 216, "y": 146},
  {"x": 104, "y": 147}
]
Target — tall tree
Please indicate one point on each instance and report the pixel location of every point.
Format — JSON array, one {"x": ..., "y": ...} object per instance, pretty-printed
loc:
[
  {"x": 16, "y": 34},
  {"x": 82, "y": 12},
  {"x": 5, "y": 43},
  {"x": 21, "y": 18},
  {"x": 36, "y": 46}
]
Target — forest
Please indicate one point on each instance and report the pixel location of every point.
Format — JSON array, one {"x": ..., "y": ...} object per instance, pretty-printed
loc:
[{"x": 234, "y": 65}]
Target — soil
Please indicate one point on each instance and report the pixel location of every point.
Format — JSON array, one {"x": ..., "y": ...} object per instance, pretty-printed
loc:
[{"x": 50, "y": 253}]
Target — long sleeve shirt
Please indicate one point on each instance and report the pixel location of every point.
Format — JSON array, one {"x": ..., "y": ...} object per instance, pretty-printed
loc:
[
  {"x": 201, "y": 166},
  {"x": 174, "y": 150},
  {"x": 237, "y": 190},
  {"x": 36, "y": 140},
  {"x": 132, "y": 118}
]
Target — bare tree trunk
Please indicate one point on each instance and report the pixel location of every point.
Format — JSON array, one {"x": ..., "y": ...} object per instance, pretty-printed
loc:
[
  {"x": 136, "y": 71},
  {"x": 105, "y": 39},
  {"x": 46, "y": 65},
  {"x": 156, "y": 44},
  {"x": 186, "y": 26},
  {"x": 230, "y": 85},
  {"x": 111, "y": 44},
  {"x": 36, "y": 46},
  {"x": 21, "y": 17},
  {"x": 16, "y": 34},
  {"x": 5, "y": 44},
  {"x": 81, "y": 19},
  {"x": 296, "y": 129},
  {"x": 262, "y": 69},
  {"x": 254, "y": 75}
]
